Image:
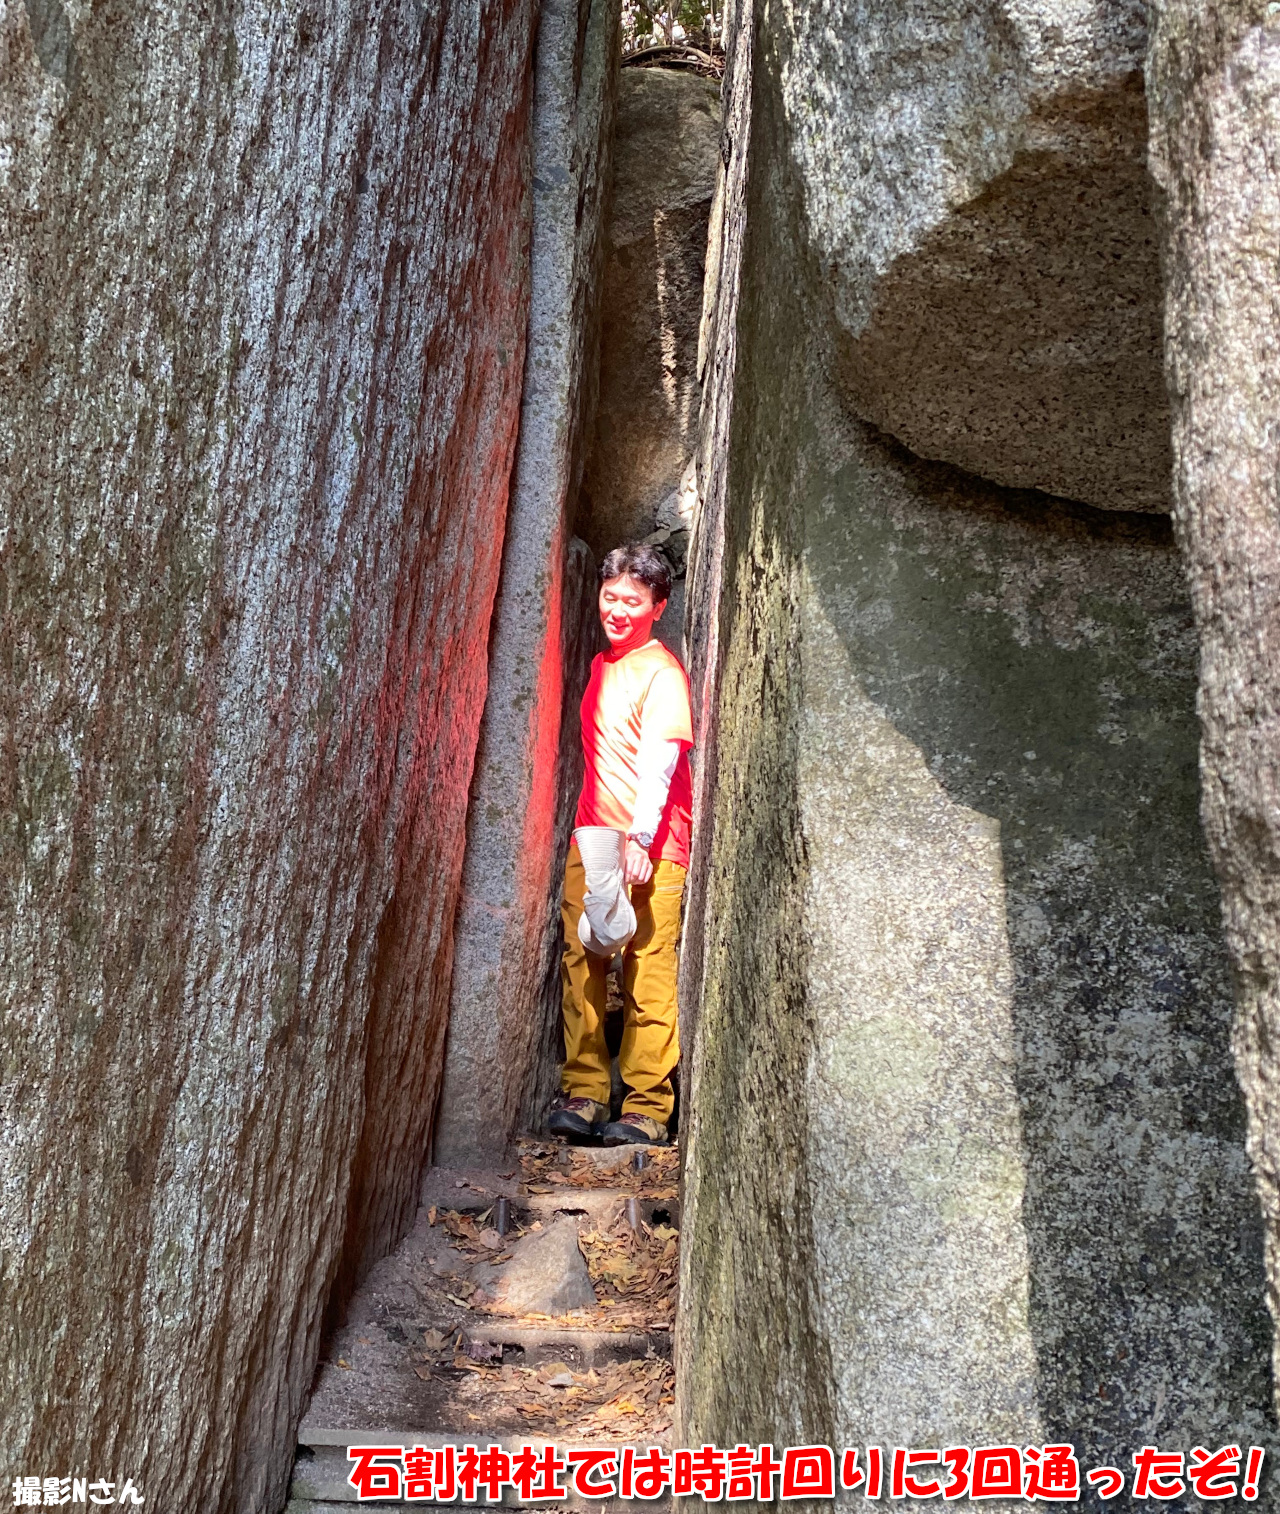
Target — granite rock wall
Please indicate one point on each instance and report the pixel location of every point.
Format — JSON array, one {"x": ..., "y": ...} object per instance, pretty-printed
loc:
[
  {"x": 959, "y": 1011},
  {"x": 1214, "y": 94},
  {"x": 503, "y": 1020},
  {"x": 263, "y": 308},
  {"x": 624, "y": 164}
]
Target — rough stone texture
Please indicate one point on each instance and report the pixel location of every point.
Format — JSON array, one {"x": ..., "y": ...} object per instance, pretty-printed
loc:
[
  {"x": 547, "y": 1274},
  {"x": 506, "y": 934},
  {"x": 747, "y": 1232},
  {"x": 704, "y": 605},
  {"x": 263, "y": 306},
  {"x": 975, "y": 192},
  {"x": 1028, "y": 1116},
  {"x": 537, "y": 1036},
  {"x": 501, "y": 1078},
  {"x": 1214, "y": 90},
  {"x": 665, "y": 159},
  {"x": 962, "y": 1104}
]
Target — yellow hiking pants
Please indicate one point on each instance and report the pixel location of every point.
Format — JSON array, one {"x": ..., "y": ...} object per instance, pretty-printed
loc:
[{"x": 650, "y": 1032}]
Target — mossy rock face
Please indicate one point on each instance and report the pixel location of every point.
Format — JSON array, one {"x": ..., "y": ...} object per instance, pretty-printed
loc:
[
  {"x": 1020, "y": 994},
  {"x": 967, "y": 1154}
]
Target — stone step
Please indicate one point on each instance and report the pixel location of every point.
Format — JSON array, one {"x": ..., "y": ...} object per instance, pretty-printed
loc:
[
  {"x": 438, "y": 1181},
  {"x": 322, "y": 1466},
  {"x": 382, "y": 1387},
  {"x": 598, "y": 1206},
  {"x": 601, "y": 1206},
  {"x": 595, "y": 1346},
  {"x": 399, "y": 1373},
  {"x": 320, "y": 1480}
]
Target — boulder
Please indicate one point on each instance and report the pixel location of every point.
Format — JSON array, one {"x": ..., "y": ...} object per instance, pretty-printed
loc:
[
  {"x": 977, "y": 206},
  {"x": 547, "y": 1275},
  {"x": 263, "y": 319},
  {"x": 961, "y": 1103},
  {"x": 665, "y": 157}
]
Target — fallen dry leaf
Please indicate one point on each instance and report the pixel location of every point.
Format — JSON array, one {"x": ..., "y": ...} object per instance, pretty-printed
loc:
[{"x": 543, "y": 1163}]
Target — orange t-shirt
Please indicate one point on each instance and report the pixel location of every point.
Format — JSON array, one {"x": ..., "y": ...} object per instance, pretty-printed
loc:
[{"x": 643, "y": 689}]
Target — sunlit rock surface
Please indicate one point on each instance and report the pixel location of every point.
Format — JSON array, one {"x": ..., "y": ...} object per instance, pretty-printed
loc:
[
  {"x": 1214, "y": 93},
  {"x": 963, "y": 1106},
  {"x": 980, "y": 220},
  {"x": 263, "y": 307}
]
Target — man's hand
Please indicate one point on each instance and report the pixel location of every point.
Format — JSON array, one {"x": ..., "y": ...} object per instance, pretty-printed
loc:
[{"x": 636, "y": 867}]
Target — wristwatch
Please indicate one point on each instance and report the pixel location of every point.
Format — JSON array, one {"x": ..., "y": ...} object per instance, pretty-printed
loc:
[{"x": 643, "y": 839}]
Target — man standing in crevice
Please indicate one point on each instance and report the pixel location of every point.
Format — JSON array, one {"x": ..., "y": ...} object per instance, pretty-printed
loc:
[{"x": 637, "y": 729}]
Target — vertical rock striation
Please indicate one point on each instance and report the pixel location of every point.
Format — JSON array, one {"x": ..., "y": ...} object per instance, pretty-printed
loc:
[
  {"x": 746, "y": 1033},
  {"x": 705, "y": 605},
  {"x": 1214, "y": 92},
  {"x": 503, "y": 1016},
  {"x": 263, "y": 305}
]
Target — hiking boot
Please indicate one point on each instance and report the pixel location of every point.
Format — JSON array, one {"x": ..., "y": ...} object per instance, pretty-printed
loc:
[
  {"x": 577, "y": 1119},
  {"x": 634, "y": 1130}
]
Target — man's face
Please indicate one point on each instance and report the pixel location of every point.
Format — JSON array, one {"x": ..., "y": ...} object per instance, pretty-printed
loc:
[{"x": 627, "y": 611}]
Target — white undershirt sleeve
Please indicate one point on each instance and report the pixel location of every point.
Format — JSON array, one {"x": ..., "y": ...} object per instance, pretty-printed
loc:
[{"x": 655, "y": 767}]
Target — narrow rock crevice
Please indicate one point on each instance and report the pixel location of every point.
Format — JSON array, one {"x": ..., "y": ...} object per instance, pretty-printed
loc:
[{"x": 337, "y": 349}]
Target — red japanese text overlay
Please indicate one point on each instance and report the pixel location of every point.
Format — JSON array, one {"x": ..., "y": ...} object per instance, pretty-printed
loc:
[{"x": 761, "y": 1474}]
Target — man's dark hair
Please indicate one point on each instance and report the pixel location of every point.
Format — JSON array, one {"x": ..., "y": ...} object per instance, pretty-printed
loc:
[{"x": 641, "y": 562}]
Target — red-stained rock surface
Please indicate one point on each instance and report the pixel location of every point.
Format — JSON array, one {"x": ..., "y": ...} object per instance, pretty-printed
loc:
[
  {"x": 263, "y": 310},
  {"x": 504, "y": 1018}
]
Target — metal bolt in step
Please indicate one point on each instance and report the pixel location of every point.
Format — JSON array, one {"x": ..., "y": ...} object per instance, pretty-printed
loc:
[
  {"x": 502, "y": 1216},
  {"x": 639, "y": 1161},
  {"x": 633, "y": 1213}
]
